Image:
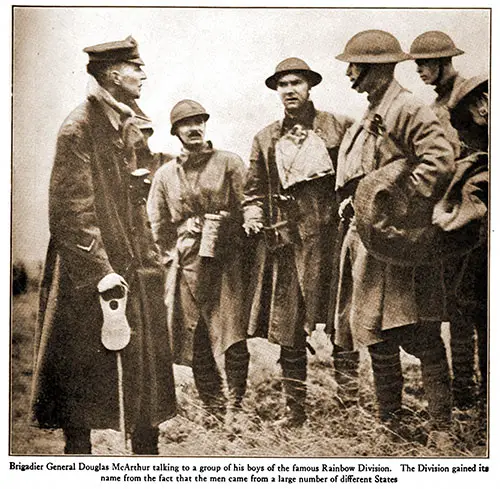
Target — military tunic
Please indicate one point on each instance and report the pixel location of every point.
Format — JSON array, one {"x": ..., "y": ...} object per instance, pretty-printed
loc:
[
  {"x": 290, "y": 285},
  {"x": 183, "y": 191},
  {"x": 373, "y": 295}
]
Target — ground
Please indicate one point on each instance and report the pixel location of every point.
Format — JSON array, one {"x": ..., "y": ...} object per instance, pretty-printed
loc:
[{"x": 330, "y": 432}]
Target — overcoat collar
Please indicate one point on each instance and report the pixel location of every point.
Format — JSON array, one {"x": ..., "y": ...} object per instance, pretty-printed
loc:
[{"x": 116, "y": 112}]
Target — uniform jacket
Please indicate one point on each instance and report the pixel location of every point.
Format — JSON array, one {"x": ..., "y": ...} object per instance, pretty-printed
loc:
[
  {"x": 93, "y": 232},
  {"x": 290, "y": 286},
  {"x": 183, "y": 191},
  {"x": 445, "y": 94},
  {"x": 374, "y": 295}
]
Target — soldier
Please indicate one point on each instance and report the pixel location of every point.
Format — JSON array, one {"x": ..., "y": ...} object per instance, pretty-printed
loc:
[
  {"x": 99, "y": 249},
  {"x": 433, "y": 53},
  {"x": 469, "y": 115},
  {"x": 196, "y": 219},
  {"x": 290, "y": 203},
  {"x": 380, "y": 304}
]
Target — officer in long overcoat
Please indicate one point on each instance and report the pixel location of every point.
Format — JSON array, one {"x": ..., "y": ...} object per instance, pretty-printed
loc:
[
  {"x": 433, "y": 53},
  {"x": 99, "y": 244},
  {"x": 380, "y": 304},
  {"x": 195, "y": 209},
  {"x": 290, "y": 203}
]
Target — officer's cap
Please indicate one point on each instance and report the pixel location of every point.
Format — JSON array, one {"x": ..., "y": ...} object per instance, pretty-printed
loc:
[{"x": 126, "y": 50}]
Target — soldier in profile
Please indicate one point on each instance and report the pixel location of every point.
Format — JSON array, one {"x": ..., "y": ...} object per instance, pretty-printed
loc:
[{"x": 99, "y": 250}]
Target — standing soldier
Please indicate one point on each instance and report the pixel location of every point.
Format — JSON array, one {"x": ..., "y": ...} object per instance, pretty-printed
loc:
[
  {"x": 196, "y": 219},
  {"x": 99, "y": 245},
  {"x": 380, "y": 304},
  {"x": 433, "y": 52},
  {"x": 469, "y": 115},
  {"x": 289, "y": 200}
]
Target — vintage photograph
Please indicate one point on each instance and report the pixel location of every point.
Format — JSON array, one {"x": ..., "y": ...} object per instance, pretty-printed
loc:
[{"x": 250, "y": 232}]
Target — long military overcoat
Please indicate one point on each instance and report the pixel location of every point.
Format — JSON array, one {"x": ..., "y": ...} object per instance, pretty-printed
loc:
[
  {"x": 375, "y": 295},
  {"x": 201, "y": 288},
  {"x": 290, "y": 286},
  {"x": 91, "y": 235}
]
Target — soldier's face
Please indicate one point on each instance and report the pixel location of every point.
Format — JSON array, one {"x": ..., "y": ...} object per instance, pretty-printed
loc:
[
  {"x": 358, "y": 74},
  {"x": 191, "y": 131},
  {"x": 428, "y": 69},
  {"x": 479, "y": 110},
  {"x": 129, "y": 78},
  {"x": 294, "y": 90}
]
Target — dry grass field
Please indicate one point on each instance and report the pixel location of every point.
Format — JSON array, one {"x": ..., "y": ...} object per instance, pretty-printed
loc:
[{"x": 328, "y": 433}]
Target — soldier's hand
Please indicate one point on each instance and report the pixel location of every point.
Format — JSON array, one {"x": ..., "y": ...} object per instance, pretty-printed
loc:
[
  {"x": 110, "y": 281},
  {"x": 252, "y": 227},
  {"x": 346, "y": 210}
]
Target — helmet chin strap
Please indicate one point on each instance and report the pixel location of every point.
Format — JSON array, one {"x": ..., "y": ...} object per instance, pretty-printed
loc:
[
  {"x": 439, "y": 79},
  {"x": 362, "y": 75}
]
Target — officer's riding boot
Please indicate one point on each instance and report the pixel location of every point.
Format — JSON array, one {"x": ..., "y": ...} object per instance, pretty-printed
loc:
[
  {"x": 294, "y": 367},
  {"x": 145, "y": 440},
  {"x": 77, "y": 441},
  {"x": 462, "y": 344},
  {"x": 346, "y": 365},
  {"x": 237, "y": 360}
]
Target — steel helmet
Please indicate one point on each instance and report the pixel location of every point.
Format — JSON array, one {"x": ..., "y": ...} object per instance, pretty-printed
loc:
[
  {"x": 185, "y": 109},
  {"x": 373, "y": 46},
  {"x": 293, "y": 65},
  {"x": 433, "y": 44}
]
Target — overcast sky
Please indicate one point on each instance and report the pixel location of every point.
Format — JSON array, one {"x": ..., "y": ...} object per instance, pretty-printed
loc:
[{"x": 219, "y": 57}]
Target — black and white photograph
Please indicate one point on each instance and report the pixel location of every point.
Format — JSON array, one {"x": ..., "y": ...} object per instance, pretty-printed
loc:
[{"x": 250, "y": 232}]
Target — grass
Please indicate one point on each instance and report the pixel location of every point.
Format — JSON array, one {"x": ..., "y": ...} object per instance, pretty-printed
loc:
[{"x": 330, "y": 432}]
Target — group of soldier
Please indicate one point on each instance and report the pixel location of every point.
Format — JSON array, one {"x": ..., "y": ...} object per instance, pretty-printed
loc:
[{"x": 333, "y": 221}]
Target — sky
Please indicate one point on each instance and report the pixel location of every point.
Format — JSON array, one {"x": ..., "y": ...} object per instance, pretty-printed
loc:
[{"x": 217, "y": 56}]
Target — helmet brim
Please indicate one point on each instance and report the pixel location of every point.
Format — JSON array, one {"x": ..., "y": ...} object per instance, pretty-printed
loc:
[
  {"x": 174, "y": 126},
  {"x": 449, "y": 53},
  {"x": 373, "y": 58},
  {"x": 312, "y": 77}
]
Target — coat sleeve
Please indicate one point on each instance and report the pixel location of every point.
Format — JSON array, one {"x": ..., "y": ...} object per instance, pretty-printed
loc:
[
  {"x": 164, "y": 233},
  {"x": 434, "y": 164},
  {"x": 72, "y": 215},
  {"x": 255, "y": 185},
  {"x": 236, "y": 173}
]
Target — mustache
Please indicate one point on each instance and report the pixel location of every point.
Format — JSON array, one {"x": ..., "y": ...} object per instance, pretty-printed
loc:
[{"x": 195, "y": 132}]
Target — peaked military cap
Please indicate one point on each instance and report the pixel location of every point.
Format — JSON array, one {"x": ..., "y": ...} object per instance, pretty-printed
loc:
[{"x": 126, "y": 50}]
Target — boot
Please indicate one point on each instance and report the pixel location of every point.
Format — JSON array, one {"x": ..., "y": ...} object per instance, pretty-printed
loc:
[
  {"x": 294, "y": 366},
  {"x": 387, "y": 377},
  {"x": 77, "y": 441},
  {"x": 346, "y": 375},
  {"x": 462, "y": 345},
  {"x": 208, "y": 380},
  {"x": 237, "y": 360},
  {"x": 145, "y": 440}
]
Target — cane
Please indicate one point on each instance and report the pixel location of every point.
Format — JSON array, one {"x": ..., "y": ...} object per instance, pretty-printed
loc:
[{"x": 115, "y": 336}]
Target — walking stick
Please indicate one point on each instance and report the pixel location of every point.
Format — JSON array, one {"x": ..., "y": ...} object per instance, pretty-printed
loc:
[{"x": 115, "y": 336}]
